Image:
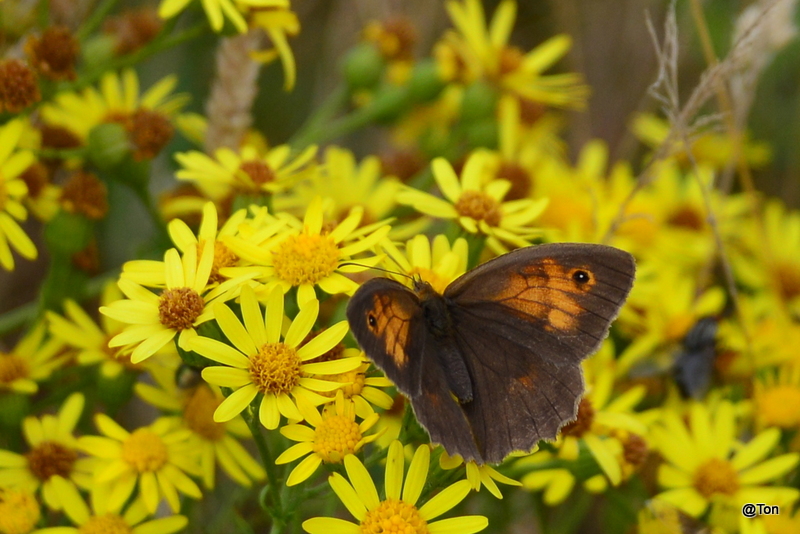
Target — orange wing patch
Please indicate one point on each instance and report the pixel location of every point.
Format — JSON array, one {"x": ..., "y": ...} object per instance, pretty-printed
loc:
[
  {"x": 390, "y": 321},
  {"x": 546, "y": 291}
]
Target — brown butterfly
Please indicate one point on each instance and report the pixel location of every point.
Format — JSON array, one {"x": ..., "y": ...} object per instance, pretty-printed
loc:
[{"x": 492, "y": 365}]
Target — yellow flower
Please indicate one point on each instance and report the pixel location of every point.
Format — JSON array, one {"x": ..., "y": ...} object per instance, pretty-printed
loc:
[
  {"x": 79, "y": 331},
  {"x": 705, "y": 462},
  {"x": 279, "y": 23},
  {"x": 218, "y": 10},
  {"x": 19, "y": 511},
  {"x": 776, "y": 397},
  {"x": 13, "y": 192},
  {"x": 477, "y": 203},
  {"x": 32, "y": 360},
  {"x": 155, "y": 320},
  {"x": 397, "y": 512},
  {"x": 247, "y": 172},
  {"x": 118, "y": 100},
  {"x": 155, "y": 458},
  {"x": 771, "y": 259},
  {"x": 52, "y": 451},
  {"x": 106, "y": 516},
  {"x": 309, "y": 255},
  {"x": 481, "y": 52},
  {"x": 358, "y": 388},
  {"x": 437, "y": 263},
  {"x": 260, "y": 363},
  {"x": 345, "y": 183},
  {"x": 218, "y": 443},
  {"x": 478, "y": 475},
  {"x": 707, "y": 147},
  {"x": 335, "y": 434},
  {"x": 663, "y": 306}
]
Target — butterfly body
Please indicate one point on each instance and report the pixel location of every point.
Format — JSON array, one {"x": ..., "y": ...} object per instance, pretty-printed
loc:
[{"x": 492, "y": 365}]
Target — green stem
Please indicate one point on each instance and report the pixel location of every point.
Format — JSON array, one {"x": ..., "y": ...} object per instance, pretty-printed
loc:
[
  {"x": 276, "y": 511},
  {"x": 323, "y": 115},
  {"x": 339, "y": 128},
  {"x": 96, "y": 19},
  {"x": 475, "y": 243},
  {"x": 159, "y": 44},
  {"x": 14, "y": 319},
  {"x": 61, "y": 153}
]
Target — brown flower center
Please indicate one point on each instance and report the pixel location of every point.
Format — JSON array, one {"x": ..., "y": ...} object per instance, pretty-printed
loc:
[
  {"x": 634, "y": 450},
  {"x": 55, "y": 53},
  {"x": 49, "y": 459},
  {"x": 133, "y": 29},
  {"x": 178, "y": 308},
  {"x": 687, "y": 217},
  {"x": 510, "y": 60},
  {"x": 84, "y": 193},
  {"x": 18, "y": 86},
  {"x": 788, "y": 278},
  {"x": 520, "y": 180},
  {"x": 258, "y": 173},
  {"x": 583, "y": 422},
  {"x": 479, "y": 206},
  {"x": 149, "y": 131},
  {"x": 223, "y": 257}
]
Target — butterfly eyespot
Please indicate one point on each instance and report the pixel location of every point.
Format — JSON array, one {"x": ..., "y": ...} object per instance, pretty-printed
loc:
[
  {"x": 581, "y": 277},
  {"x": 372, "y": 321}
]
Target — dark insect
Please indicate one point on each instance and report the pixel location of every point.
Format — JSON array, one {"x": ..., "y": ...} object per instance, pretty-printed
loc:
[{"x": 492, "y": 365}]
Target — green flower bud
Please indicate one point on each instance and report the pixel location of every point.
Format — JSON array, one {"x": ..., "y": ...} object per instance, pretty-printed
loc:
[
  {"x": 479, "y": 102},
  {"x": 482, "y": 133},
  {"x": 108, "y": 145},
  {"x": 390, "y": 102},
  {"x": 425, "y": 84},
  {"x": 68, "y": 233},
  {"x": 363, "y": 66}
]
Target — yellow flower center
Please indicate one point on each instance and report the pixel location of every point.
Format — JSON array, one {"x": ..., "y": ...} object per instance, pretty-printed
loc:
[
  {"x": 178, "y": 308},
  {"x": 144, "y": 450},
  {"x": 275, "y": 369},
  {"x": 777, "y": 406},
  {"x": 223, "y": 257},
  {"x": 583, "y": 421},
  {"x": 105, "y": 524},
  {"x": 393, "y": 516},
  {"x": 336, "y": 437},
  {"x": 199, "y": 414},
  {"x": 716, "y": 476},
  {"x": 479, "y": 206},
  {"x": 305, "y": 259},
  {"x": 19, "y": 511},
  {"x": 436, "y": 281},
  {"x": 564, "y": 212},
  {"x": 356, "y": 378},
  {"x": 50, "y": 458},
  {"x": 788, "y": 278},
  {"x": 677, "y": 326},
  {"x": 12, "y": 368}
]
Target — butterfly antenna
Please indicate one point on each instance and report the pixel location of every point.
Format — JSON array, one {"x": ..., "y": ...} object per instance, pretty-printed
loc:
[{"x": 378, "y": 269}]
